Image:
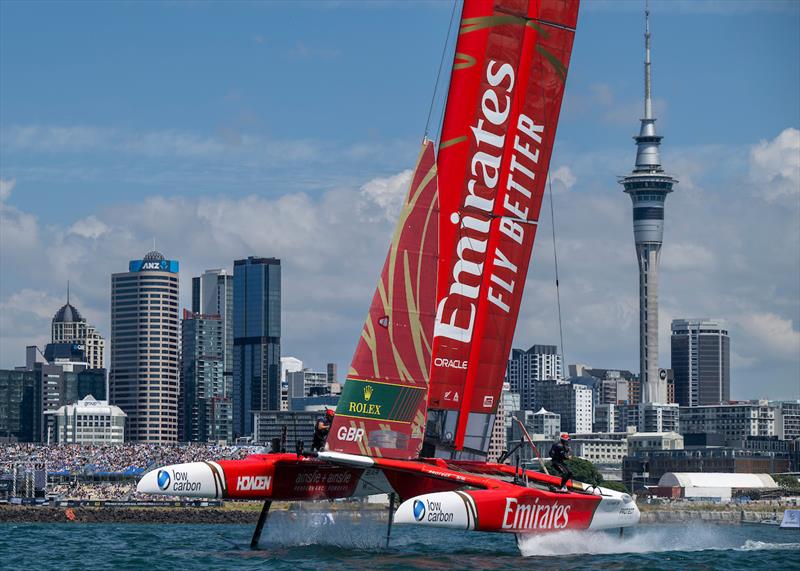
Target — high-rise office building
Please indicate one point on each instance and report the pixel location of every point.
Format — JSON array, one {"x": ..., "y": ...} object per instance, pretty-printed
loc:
[
  {"x": 202, "y": 379},
  {"x": 68, "y": 326},
  {"x": 256, "y": 340},
  {"x": 212, "y": 294},
  {"x": 143, "y": 380},
  {"x": 701, "y": 361},
  {"x": 648, "y": 186},
  {"x": 20, "y": 406},
  {"x": 527, "y": 368}
]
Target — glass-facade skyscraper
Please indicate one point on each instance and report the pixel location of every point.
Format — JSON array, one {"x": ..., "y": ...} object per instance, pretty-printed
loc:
[
  {"x": 202, "y": 381},
  {"x": 701, "y": 361},
  {"x": 256, "y": 340},
  {"x": 212, "y": 294}
]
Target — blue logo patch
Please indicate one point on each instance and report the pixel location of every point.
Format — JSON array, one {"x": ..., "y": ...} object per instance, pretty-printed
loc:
[
  {"x": 163, "y": 479},
  {"x": 419, "y": 510}
]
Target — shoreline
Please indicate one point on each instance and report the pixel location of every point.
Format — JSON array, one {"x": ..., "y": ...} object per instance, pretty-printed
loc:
[{"x": 249, "y": 515}]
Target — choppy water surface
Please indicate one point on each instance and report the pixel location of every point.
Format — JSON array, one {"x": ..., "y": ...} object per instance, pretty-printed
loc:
[{"x": 313, "y": 543}]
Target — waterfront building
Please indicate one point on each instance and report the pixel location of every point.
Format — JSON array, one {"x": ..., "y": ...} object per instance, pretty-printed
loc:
[
  {"x": 605, "y": 418},
  {"x": 256, "y": 340},
  {"x": 701, "y": 361},
  {"x": 498, "y": 440},
  {"x": 512, "y": 404},
  {"x": 203, "y": 384},
  {"x": 647, "y": 467},
  {"x": 314, "y": 403},
  {"x": 573, "y": 402},
  {"x": 648, "y": 417},
  {"x": 307, "y": 383},
  {"x": 734, "y": 420},
  {"x": 611, "y": 386},
  {"x": 61, "y": 381},
  {"x": 295, "y": 426},
  {"x": 69, "y": 326},
  {"x": 20, "y": 406},
  {"x": 648, "y": 186},
  {"x": 526, "y": 369},
  {"x": 143, "y": 379},
  {"x": 543, "y": 422},
  {"x": 639, "y": 442},
  {"x": 787, "y": 419},
  {"x": 599, "y": 450},
  {"x": 70, "y": 352},
  {"x": 333, "y": 373},
  {"x": 88, "y": 421}
]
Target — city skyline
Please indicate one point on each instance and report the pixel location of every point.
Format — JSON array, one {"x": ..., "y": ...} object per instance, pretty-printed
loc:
[{"x": 331, "y": 223}]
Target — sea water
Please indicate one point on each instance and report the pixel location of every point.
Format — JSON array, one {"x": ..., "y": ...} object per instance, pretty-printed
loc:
[{"x": 336, "y": 541}]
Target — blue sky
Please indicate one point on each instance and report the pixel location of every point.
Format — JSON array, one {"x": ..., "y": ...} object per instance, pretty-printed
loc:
[{"x": 230, "y": 129}]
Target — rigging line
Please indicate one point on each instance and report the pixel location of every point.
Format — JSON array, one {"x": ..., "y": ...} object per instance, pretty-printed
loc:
[
  {"x": 445, "y": 90},
  {"x": 555, "y": 259},
  {"x": 439, "y": 73}
]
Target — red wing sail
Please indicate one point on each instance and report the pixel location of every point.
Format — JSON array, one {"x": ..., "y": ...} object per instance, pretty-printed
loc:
[
  {"x": 504, "y": 100},
  {"x": 382, "y": 408}
]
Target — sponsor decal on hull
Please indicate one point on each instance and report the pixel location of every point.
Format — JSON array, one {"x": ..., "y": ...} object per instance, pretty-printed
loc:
[
  {"x": 192, "y": 479},
  {"x": 254, "y": 483},
  {"x": 522, "y": 515}
]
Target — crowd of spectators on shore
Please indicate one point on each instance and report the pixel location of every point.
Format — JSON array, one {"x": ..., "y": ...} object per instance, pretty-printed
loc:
[{"x": 122, "y": 458}]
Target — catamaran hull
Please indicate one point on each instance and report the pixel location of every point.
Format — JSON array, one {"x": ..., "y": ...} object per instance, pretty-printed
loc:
[
  {"x": 523, "y": 511},
  {"x": 264, "y": 477},
  {"x": 468, "y": 496}
]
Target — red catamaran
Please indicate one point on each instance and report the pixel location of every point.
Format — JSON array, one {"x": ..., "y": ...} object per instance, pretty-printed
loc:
[{"x": 417, "y": 409}]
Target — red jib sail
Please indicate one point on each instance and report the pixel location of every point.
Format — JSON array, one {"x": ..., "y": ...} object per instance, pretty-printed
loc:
[
  {"x": 502, "y": 110},
  {"x": 381, "y": 411}
]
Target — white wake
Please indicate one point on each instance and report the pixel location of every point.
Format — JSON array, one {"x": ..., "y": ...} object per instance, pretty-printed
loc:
[{"x": 692, "y": 537}]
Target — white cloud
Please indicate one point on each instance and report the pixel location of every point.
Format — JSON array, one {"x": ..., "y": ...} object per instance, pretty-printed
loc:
[
  {"x": 562, "y": 178},
  {"x": 37, "y": 302},
  {"x": 775, "y": 165},
  {"x": 6, "y": 186},
  {"x": 90, "y": 227},
  {"x": 682, "y": 256},
  {"x": 18, "y": 230},
  {"x": 772, "y": 333},
  {"x": 388, "y": 192}
]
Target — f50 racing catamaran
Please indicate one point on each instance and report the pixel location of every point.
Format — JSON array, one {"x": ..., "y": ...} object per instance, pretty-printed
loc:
[{"x": 420, "y": 399}]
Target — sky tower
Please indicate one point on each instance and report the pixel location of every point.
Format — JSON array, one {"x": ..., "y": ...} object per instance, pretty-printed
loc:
[{"x": 648, "y": 186}]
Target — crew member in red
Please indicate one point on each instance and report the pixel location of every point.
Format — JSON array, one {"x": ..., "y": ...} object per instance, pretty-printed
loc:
[
  {"x": 559, "y": 453},
  {"x": 321, "y": 429}
]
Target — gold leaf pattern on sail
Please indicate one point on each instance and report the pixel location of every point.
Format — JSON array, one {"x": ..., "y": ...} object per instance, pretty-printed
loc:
[
  {"x": 451, "y": 142},
  {"x": 370, "y": 340},
  {"x": 413, "y": 315},
  {"x": 558, "y": 66},
  {"x": 417, "y": 291},
  {"x": 463, "y": 61},
  {"x": 482, "y": 22}
]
